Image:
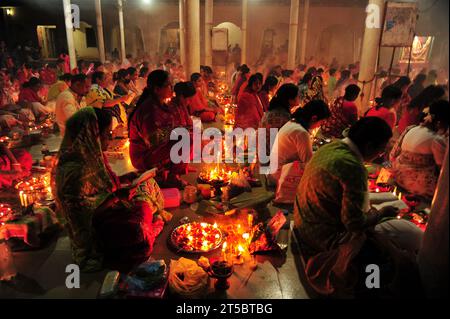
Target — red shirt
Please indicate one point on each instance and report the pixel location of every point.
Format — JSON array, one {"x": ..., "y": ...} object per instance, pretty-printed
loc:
[
  {"x": 343, "y": 114},
  {"x": 249, "y": 111},
  {"x": 383, "y": 113},
  {"x": 48, "y": 76},
  {"x": 28, "y": 95},
  {"x": 199, "y": 102},
  {"x": 350, "y": 111}
]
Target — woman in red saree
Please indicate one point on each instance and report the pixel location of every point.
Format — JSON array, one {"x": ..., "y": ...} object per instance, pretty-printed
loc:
[
  {"x": 150, "y": 125},
  {"x": 107, "y": 225},
  {"x": 249, "y": 108},
  {"x": 200, "y": 104}
]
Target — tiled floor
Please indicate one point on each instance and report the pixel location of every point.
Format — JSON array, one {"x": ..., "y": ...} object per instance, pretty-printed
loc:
[{"x": 42, "y": 272}]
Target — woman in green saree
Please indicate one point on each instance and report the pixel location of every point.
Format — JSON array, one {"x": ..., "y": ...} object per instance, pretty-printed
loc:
[{"x": 107, "y": 225}]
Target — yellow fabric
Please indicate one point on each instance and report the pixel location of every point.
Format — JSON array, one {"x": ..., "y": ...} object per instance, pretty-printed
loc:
[{"x": 55, "y": 89}]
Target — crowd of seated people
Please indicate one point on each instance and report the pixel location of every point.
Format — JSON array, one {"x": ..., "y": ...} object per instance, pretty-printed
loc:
[{"x": 109, "y": 224}]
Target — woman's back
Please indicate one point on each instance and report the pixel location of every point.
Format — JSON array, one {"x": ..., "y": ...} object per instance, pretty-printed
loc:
[{"x": 421, "y": 140}]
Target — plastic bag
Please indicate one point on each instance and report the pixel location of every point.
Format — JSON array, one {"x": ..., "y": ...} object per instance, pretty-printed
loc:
[
  {"x": 290, "y": 177},
  {"x": 187, "y": 279},
  {"x": 147, "y": 275}
]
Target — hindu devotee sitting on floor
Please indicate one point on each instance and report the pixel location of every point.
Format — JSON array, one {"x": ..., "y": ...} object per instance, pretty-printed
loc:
[
  {"x": 68, "y": 102},
  {"x": 249, "y": 107},
  {"x": 242, "y": 78},
  {"x": 100, "y": 97},
  {"x": 294, "y": 139},
  {"x": 29, "y": 95},
  {"x": 386, "y": 105},
  {"x": 150, "y": 125},
  {"x": 108, "y": 225},
  {"x": 344, "y": 113},
  {"x": 200, "y": 104},
  {"x": 413, "y": 112},
  {"x": 59, "y": 86},
  {"x": 333, "y": 221},
  {"x": 286, "y": 98},
  {"x": 180, "y": 103},
  {"x": 267, "y": 91},
  {"x": 419, "y": 153}
]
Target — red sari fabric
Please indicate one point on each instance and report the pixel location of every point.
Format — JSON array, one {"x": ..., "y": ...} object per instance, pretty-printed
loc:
[
  {"x": 28, "y": 95},
  {"x": 199, "y": 107},
  {"x": 384, "y": 114},
  {"x": 149, "y": 135},
  {"x": 249, "y": 111},
  {"x": 264, "y": 98},
  {"x": 48, "y": 76},
  {"x": 182, "y": 114},
  {"x": 409, "y": 118},
  {"x": 25, "y": 160}
]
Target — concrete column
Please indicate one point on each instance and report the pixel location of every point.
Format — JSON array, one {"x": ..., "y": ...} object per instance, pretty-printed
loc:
[
  {"x": 369, "y": 54},
  {"x": 101, "y": 41},
  {"x": 293, "y": 32},
  {"x": 192, "y": 37},
  {"x": 208, "y": 31},
  {"x": 244, "y": 31},
  {"x": 182, "y": 18},
  {"x": 69, "y": 34},
  {"x": 304, "y": 32},
  {"x": 122, "y": 31}
]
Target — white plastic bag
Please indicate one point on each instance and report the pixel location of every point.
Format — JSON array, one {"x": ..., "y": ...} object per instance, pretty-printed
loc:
[{"x": 290, "y": 176}]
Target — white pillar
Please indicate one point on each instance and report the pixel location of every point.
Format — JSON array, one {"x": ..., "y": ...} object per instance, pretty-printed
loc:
[
  {"x": 304, "y": 32},
  {"x": 182, "y": 18},
  {"x": 192, "y": 37},
  {"x": 122, "y": 31},
  {"x": 208, "y": 31},
  {"x": 433, "y": 255},
  {"x": 101, "y": 41},
  {"x": 69, "y": 34},
  {"x": 369, "y": 54},
  {"x": 244, "y": 31},
  {"x": 293, "y": 32}
]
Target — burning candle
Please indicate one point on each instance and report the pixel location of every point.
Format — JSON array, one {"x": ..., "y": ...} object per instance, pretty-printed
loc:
[
  {"x": 224, "y": 248},
  {"x": 250, "y": 220},
  {"x": 22, "y": 201}
]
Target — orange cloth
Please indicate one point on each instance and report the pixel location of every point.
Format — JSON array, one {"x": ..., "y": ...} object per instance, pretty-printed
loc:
[{"x": 249, "y": 111}]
